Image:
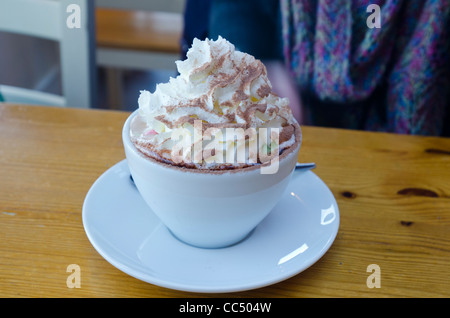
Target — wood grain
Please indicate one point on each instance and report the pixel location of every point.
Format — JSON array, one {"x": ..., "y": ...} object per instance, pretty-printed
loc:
[
  {"x": 139, "y": 30},
  {"x": 393, "y": 193}
]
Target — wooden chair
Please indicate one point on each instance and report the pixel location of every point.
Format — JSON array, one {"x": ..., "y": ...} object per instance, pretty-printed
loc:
[
  {"x": 137, "y": 35},
  {"x": 48, "y": 19}
]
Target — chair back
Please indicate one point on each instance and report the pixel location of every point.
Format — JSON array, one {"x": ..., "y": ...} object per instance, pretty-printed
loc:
[{"x": 72, "y": 24}]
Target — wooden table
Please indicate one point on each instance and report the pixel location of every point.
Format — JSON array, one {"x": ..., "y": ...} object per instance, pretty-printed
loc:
[{"x": 393, "y": 193}]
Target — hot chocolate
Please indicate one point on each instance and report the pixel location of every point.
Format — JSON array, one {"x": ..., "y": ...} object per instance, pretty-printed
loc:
[{"x": 219, "y": 113}]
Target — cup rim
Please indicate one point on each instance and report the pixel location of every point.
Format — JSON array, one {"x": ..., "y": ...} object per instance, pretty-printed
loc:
[{"x": 129, "y": 144}]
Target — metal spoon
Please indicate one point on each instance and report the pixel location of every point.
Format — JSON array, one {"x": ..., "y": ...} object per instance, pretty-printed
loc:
[{"x": 305, "y": 166}]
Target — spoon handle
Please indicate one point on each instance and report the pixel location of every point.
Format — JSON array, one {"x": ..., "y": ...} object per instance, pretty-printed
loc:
[{"x": 305, "y": 166}]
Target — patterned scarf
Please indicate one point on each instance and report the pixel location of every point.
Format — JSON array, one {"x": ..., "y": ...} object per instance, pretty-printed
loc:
[{"x": 340, "y": 61}]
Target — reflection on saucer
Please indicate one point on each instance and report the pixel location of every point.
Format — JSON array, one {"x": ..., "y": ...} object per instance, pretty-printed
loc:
[
  {"x": 293, "y": 254},
  {"x": 327, "y": 216}
]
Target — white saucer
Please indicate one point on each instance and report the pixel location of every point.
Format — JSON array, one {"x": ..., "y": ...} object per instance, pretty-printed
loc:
[{"x": 124, "y": 230}]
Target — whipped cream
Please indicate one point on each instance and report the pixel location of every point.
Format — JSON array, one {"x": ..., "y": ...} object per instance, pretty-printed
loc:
[{"x": 217, "y": 89}]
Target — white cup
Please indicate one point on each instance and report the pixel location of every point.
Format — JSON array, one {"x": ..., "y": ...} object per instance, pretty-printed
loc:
[{"x": 208, "y": 209}]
